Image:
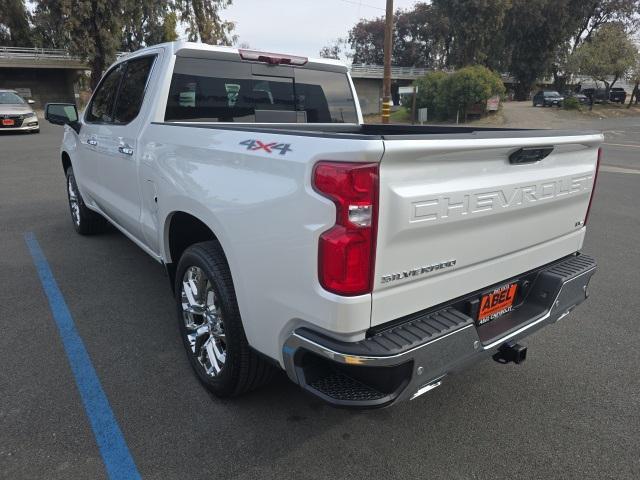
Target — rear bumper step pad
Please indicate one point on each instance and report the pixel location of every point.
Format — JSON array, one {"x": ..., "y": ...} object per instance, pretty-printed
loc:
[{"x": 392, "y": 364}]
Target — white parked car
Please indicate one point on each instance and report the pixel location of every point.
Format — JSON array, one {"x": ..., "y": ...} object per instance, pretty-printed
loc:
[
  {"x": 367, "y": 261},
  {"x": 16, "y": 113}
]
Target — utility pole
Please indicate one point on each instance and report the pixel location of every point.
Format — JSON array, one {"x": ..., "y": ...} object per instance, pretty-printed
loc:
[{"x": 386, "y": 82}]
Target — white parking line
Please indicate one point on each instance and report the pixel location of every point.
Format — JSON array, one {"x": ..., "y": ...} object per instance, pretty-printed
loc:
[{"x": 622, "y": 145}]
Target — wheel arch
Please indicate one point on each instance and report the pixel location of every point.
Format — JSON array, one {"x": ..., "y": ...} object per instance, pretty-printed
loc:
[{"x": 181, "y": 230}]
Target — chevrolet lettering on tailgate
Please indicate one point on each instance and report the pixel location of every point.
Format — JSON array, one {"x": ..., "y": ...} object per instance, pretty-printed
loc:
[{"x": 447, "y": 206}]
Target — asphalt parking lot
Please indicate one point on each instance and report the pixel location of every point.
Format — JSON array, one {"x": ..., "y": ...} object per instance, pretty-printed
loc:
[{"x": 571, "y": 411}]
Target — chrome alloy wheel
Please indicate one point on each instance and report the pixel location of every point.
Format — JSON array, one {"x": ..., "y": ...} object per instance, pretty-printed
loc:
[
  {"x": 74, "y": 200},
  {"x": 202, "y": 317}
]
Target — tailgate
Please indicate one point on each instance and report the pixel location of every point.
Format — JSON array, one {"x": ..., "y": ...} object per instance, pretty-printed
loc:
[{"x": 456, "y": 215}]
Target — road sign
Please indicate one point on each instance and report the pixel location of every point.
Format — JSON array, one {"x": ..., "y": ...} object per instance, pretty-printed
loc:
[{"x": 423, "y": 115}]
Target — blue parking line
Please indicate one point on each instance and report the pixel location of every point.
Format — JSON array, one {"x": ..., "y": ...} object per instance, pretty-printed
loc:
[{"x": 111, "y": 443}]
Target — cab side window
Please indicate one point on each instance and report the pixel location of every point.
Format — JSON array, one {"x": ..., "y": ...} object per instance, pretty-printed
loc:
[
  {"x": 132, "y": 89},
  {"x": 101, "y": 109}
]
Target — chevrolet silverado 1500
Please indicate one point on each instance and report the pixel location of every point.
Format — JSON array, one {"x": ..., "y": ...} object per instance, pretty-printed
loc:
[{"x": 369, "y": 262}]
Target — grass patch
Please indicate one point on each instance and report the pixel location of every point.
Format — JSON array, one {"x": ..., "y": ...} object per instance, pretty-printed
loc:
[{"x": 401, "y": 115}]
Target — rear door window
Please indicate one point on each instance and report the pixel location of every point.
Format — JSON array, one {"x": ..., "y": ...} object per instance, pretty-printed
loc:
[
  {"x": 132, "y": 89},
  {"x": 226, "y": 91},
  {"x": 101, "y": 108}
]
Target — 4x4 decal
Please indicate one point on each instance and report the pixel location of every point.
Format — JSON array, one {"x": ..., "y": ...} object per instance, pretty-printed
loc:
[{"x": 267, "y": 147}]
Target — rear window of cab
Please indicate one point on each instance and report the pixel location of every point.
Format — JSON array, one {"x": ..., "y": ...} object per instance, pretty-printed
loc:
[{"x": 204, "y": 90}]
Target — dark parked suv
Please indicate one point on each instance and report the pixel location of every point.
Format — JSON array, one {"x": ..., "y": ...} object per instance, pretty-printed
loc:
[
  {"x": 599, "y": 95},
  {"x": 547, "y": 98},
  {"x": 617, "y": 95}
]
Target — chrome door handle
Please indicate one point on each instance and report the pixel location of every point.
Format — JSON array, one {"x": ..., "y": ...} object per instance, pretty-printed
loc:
[
  {"x": 126, "y": 150},
  {"x": 93, "y": 142}
]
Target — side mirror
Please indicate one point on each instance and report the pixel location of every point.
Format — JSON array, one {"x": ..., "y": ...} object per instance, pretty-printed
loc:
[
  {"x": 62, "y": 114},
  {"x": 31, "y": 101}
]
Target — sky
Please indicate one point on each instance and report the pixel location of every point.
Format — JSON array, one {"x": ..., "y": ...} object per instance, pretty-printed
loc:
[{"x": 300, "y": 27}]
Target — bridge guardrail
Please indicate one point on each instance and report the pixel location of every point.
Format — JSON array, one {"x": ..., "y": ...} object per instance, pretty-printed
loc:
[
  {"x": 378, "y": 71},
  {"x": 36, "y": 53}
]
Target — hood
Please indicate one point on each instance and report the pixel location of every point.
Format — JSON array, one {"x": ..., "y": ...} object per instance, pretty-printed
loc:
[{"x": 15, "y": 109}]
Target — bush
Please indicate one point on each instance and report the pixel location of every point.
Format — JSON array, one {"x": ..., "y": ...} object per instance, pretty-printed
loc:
[
  {"x": 429, "y": 93},
  {"x": 445, "y": 94},
  {"x": 571, "y": 103}
]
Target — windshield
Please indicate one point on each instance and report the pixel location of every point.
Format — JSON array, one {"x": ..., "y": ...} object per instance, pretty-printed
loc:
[
  {"x": 10, "y": 98},
  {"x": 551, "y": 94}
]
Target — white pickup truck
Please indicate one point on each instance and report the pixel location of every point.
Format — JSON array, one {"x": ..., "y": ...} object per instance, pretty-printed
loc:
[{"x": 367, "y": 261}]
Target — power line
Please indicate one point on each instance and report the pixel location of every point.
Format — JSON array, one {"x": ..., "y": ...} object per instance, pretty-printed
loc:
[{"x": 360, "y": 4}]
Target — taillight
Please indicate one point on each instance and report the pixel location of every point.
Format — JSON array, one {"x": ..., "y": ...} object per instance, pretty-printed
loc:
[
  {"x": 593, "y": 187},
  {"x": 346, "y": 252}
]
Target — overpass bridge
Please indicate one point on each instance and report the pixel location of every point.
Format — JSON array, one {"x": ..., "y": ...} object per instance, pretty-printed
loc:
[
  {"x": 42, "y": 74},
  {"x": 21, "y": 57}
]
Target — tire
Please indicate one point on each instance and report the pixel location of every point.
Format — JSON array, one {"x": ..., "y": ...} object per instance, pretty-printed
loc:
[
  {"x": 214, "y": 341},
  {"x": 85, "y": 221}
]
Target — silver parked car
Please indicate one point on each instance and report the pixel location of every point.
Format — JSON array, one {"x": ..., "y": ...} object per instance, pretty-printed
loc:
[{"x": 16, "y": 113}]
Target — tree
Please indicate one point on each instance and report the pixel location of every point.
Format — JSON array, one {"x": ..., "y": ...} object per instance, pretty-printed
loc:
[
  {"x": 96, "y": 29},
  {"x": 335, "y": 49},
  {"x": 584, "y": 18},
  {"x": 634, "y": 77},
  {"x": 607, "y": 56},
  {"x": 47, "y": 19},
  {"x": 420, "y": 38},
  {"x": 15, "y": 30},
  {"x": 367, "y": 39},
  {"x": 534, "y": 31},
  {"x": 330, "y": 51},
  {"x": 90, "y": 29},
  {"x": 592, "y": 14},
  {"x": 203, "y": 21},
  {"x": 147, "y": 22},
  {"x": 474, "y": 29},
  {"x": 526, "y": 38},
  {"x": 93, "y": 29},
  {"x": 169, "y": 26}
]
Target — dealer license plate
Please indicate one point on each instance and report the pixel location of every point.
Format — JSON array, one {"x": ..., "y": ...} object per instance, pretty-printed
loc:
[{"x": 497, "y": 303}]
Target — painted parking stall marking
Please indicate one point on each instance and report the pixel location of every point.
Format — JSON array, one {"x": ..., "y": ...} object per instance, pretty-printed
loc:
[{"x": 111, "y": 443}]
